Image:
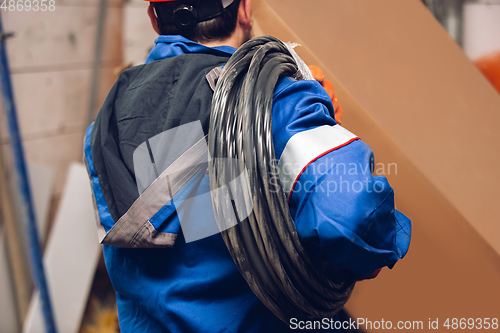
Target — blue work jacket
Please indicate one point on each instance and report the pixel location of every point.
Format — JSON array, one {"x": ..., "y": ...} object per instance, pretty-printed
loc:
[{"x": 342, "y": 212}]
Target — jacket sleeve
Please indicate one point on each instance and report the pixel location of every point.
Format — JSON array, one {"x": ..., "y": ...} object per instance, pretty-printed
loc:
[{"x": 342, "y": 212}]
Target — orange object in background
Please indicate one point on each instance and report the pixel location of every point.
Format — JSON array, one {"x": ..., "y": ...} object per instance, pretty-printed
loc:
[
  {"x": 490, "y": 67},
  {"x": 318, "y": 75},
  {"x": 329, "y": 89}
]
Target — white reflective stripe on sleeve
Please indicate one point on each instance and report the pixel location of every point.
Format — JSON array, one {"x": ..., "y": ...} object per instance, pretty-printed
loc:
[{"x": 305, "y": 147}]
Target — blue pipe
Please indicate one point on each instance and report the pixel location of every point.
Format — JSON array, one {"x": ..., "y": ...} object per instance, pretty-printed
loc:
[{"x": 35, "y": 249}]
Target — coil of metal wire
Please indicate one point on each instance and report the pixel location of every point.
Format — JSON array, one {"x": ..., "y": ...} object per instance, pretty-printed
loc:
[{"x": 265, "y": 244}]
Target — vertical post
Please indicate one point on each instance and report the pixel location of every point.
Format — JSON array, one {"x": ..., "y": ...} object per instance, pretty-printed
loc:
[
  {"x": 15, "y": 250},
  {"x": 23, "y": 183},
  {"x": 453, "y": 20},
  {"x": 94, "y": 86},
  {"x": 450, "y": 14}
]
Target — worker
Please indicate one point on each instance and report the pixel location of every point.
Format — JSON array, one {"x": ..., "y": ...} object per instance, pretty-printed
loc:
[{"x": 165, "y": 283}]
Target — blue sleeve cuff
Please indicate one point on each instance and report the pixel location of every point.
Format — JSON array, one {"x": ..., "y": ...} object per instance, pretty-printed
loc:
[{"x": 347, "y": 216}]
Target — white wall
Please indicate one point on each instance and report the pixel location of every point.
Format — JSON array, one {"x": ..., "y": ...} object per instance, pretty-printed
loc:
[
  {"x": 138, "y": 35},
  {"x": 51, "y": 57},
  {"x": 481, "y": 35}
]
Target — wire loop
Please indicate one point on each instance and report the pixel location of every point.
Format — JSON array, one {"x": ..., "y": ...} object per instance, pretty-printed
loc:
[{"x": 265, "y": 246}]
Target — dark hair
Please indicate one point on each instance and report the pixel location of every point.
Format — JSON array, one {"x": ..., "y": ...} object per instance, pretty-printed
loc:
[{"x": 218, "y": 28}]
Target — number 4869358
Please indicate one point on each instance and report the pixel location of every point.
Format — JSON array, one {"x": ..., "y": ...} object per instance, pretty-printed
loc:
[{"x": 28, "y": 5}]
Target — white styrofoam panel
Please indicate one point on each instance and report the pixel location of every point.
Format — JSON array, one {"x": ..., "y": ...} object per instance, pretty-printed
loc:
[
  {"x": 138, "y": 34},
  {"x": 60, "y": 38},
  {"x": 41, "y": 183},
  {"x": 481, "y": 25},
  {"x": 70, "y": 258}
]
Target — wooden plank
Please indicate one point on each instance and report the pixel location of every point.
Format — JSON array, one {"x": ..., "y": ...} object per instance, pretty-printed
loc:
[
  {"x": 15, "y": 281},
  {"x": 12, "y": 227},
  {"x": 481, "y": 34},
  {"x": 62, "y": 39},
  {"x": 138, "y": 35}
]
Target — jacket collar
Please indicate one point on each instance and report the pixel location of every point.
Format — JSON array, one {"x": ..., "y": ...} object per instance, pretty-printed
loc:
[{"x": 167, "y": 46}]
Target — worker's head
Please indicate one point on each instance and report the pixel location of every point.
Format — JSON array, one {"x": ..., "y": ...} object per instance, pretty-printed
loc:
[{"x": 201, "y": 20}]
